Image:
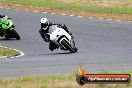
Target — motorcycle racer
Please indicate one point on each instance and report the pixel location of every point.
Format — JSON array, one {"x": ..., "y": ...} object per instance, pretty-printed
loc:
[
  {"x": 44, "y": 30},
  {"x": 6, "y": 24}
]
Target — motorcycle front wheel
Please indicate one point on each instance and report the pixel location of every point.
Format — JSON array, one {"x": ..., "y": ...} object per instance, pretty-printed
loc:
[
  {"x": 16, "y": 35},
  {"x": 68, "y": 46}
]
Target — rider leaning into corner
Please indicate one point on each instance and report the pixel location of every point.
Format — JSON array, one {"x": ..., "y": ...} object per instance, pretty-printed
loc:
[
  {"x": 44, "y": 30},
  {"x": 5, "y": 24}
]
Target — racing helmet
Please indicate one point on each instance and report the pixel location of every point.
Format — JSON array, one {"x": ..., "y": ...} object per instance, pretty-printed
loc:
[
  {"x": 4, "y": 20},
  {"x": 44, "y": 23}
]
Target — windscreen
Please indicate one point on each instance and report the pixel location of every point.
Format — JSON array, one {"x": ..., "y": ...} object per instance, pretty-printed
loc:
[{"x": 52, "y": 28}]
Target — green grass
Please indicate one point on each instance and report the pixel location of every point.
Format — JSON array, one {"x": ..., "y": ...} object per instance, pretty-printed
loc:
[
  {"x": 57, "y": 81},
  {"x": 6, "y": 52},
  {"x": 95, "y": 6}
]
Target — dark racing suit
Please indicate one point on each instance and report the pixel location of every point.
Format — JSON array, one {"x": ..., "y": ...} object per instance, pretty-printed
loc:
[{"x": 43, "y": 33}]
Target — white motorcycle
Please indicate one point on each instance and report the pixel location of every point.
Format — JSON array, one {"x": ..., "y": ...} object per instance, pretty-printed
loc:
[{"x": 61, "y": 38}]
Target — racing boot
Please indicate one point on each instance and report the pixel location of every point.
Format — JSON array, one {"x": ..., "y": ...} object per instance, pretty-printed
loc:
[{"x": 52, "y": 46}]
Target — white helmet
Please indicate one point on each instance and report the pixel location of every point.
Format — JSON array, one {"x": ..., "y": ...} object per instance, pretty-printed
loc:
[
  {"x": 43, "y": 20},
  {"x": 44, "y": 23}
]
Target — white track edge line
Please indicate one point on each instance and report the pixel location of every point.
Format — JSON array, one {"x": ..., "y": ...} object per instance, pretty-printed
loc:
[{"x": 76, "y": 16}]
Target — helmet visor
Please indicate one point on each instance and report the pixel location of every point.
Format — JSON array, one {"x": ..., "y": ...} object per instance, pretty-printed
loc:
[{"x": 44, "y": 25}]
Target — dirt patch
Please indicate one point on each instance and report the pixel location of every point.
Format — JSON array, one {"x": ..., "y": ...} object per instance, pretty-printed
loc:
[{"x": 76, "y": 13}]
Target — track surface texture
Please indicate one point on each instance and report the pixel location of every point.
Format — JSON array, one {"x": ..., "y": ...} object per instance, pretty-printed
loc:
[{"x": 102, "y": 44}]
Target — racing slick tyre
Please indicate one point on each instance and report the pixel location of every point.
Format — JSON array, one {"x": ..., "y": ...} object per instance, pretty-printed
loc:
[{"x": 16, "y": 35}]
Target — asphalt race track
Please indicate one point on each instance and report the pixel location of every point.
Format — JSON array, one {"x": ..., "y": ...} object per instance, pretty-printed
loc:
[{"x": 102, "y": 44}]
